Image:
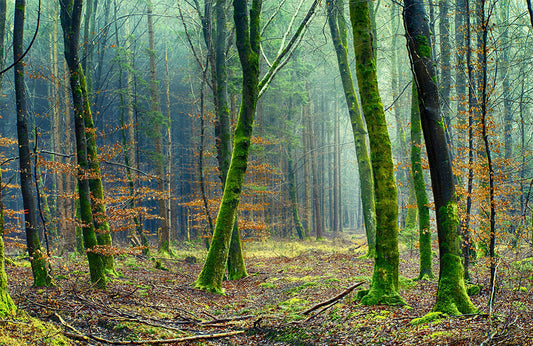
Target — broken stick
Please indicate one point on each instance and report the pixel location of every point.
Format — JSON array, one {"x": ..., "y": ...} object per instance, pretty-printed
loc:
[{"x": 334, "y": 299}]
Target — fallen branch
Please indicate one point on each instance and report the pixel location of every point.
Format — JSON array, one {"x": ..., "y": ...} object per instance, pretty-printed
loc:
[
  {"x": 334, "y": 299},
  {"x": 80, "y": 336},
  {"x": 229, "y": 319}
]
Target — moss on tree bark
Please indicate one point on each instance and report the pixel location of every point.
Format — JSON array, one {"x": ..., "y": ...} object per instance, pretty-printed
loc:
[
  {"x": 420, "y": 187},
  {"x": 384, "y": 286},
  {"x": 452, "y": 297},
  {"x": 338, "y": 30},
  {"x": 247, "y": 39}
]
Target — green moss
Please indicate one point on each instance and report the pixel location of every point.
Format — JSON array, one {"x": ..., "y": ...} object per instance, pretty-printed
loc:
[
  {"x": 423, "y": 47},
  {"x": 430, "y": 317},
  {"x": 474, "y": 290},
  {"x": 267, "y": 285},
  {"x": 24, "y": 330}
]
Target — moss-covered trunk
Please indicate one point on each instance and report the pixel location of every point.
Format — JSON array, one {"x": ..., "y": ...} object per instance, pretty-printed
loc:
[
  {"x": 248, "y": 39},
  {"x": 338, "y": 30},
  {"x": 451, "y": 293},
  {"x": 384, "y": 287},
  {"x": 236, "y": 265},
  {"x": 7, "y": 307},
  {"x": 70, "y": 22},
  {"x": 424, "y": 230},
  {"x": 37, "y": 258},
  {"x": 156, "y": 120}
]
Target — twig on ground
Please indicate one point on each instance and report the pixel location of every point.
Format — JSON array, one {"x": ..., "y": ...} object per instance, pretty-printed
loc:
[
  {"x": 332, "y": 300},
  {"x": 229, "y": 319}
]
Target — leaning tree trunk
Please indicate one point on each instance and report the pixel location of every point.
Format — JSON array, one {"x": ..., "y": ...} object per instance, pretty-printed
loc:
[
  {"x": 70, "y": 22},
  {"x": 236, "y": 266},
  {"x": 248, "y": 39},
  {"x": 451, "y": 293},
  {"x": 424, "y": 230},
  {"x": 338, "y": 30},
  {"x": 384, "y": 287},
  {"x": 41, "y": 276}
]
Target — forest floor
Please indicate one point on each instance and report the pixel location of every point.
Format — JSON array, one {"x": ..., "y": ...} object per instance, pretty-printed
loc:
[{"x": 145, "y": 304}]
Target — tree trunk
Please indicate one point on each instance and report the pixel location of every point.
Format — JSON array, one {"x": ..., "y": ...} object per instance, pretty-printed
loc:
[
  {"x": 248, "y": 40},
  {"x": 384, "y": 287},
  {"x": 7, "y": 307},
  {"x": 70, "y": 21},
  {"x": 338, "y": 30},
  {"x": 39, "y": 268},
  {"x": 236, "y": 265},
  {"x": 316, "y": 201},
  {"x": 451, "y": 297},
  {"x": 164, "y": 233},
  {"x": 128, "y": 134},
  {"x": 424, "y": 224}
]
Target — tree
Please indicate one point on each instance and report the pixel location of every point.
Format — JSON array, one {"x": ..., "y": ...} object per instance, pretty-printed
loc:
[
  {"x": 7, "y": 307},
  {"x": 70, "y": 22},
  {"x": 248, "y": 37},
  {"x": 41, "y": 277},
  {"x": 424, "y": 224},
  {"x": 384, "y": 287},
  {"x": 451, "y": 293},
  {"x": 156, "y": 120},
  {"x": 248, "y": 40},
  {"x": 337, "y": 25}
]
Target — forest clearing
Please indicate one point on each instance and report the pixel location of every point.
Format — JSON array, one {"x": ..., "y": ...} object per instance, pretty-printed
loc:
[
  {"x": 300, "y": 172},
  {"x": 268, "y": 307}
]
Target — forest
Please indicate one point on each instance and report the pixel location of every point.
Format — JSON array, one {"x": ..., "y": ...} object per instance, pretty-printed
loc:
[{"x": 259, "y": 172}]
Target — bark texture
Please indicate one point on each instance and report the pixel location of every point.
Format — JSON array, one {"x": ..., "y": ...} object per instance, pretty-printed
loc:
[
  {"x": 39, "y": 268},
  {"x": 70, "y": 22},
  {"x": 384, "y": 287},
  {"x": 248, "y": 40},
  {"x": 338, "y": 31},
  {"x": 424, "y": 231},
  {"x": 451, "y": 293}
]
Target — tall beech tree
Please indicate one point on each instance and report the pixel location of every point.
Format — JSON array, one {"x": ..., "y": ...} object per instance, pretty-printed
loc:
[
  {"x": 424, "y": 230},
  {"x": 384, "y": 287},
  {"x": 41, "y": 277},
  {"x": 7, "y": 307},
  {"x": 248, "y": 40},
  {"x": 451, "y": 293},
  {"x": 248, "y": 37},
  {"x": 70, "y": 22},
  {"x": 337, "y": 25},
  {"x": 157, "y": 120}
]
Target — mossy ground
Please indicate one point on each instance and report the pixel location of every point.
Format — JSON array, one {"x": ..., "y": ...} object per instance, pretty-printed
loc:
[{"x": 286, "y": 278}]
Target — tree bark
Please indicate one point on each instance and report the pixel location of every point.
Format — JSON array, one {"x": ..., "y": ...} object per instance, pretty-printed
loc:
[
  {"x": 338, "y": 30},
  {"x": 451, "y": 293},
  {"x": 424, "y": 224},
  {"x": 156, "y": 116},
  {"x": 41, "y": 277},
  {"x": 7, "y": 307},
  {"x": 384, "y": 287},
  {"x": 70, "y": 22},
  {"x": 248, "y": 40},
  {"x": 127, "y": 124}
]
